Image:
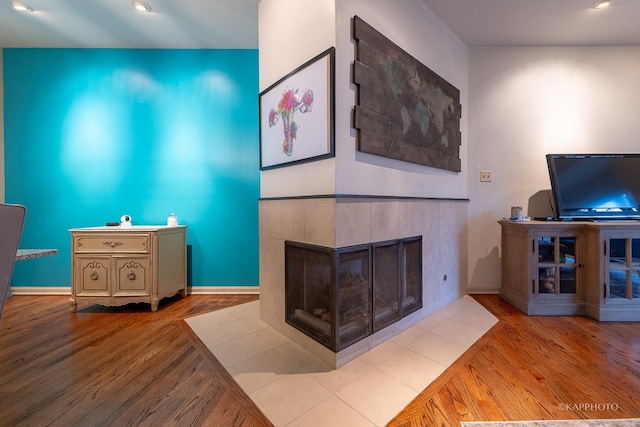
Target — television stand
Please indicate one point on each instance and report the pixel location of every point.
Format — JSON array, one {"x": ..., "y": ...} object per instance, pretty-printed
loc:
[
  {"x": 555, "y": 219},
  {"x": 625, "y": 220},
  {"x": 585, "y": 219},
  {"x": 572, "y": 268}
]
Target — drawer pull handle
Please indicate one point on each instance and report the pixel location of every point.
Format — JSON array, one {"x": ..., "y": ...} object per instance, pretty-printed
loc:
[
  {"x": 94, "y": 275},
  {"x": 113, "y": 244},
  {"x": 131, "y": 275}
]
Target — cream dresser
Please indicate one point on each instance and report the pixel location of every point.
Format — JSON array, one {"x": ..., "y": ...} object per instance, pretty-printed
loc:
[{"x": 117, "y": 265}]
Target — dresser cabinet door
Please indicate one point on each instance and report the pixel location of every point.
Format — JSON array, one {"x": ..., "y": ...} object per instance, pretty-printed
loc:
[
  {"x": 622, "y": 271},
  {"x": 132, "y": 276},
  {"x": 557, "y": 269},
  {"x": 93, "y": 274}
]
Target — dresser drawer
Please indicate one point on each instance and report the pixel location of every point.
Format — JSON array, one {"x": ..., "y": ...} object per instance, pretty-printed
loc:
[{"x": 129, "y": 242}]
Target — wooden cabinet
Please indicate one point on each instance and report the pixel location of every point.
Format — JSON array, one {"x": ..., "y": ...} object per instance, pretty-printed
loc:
[
  {"x": 542, "y": 267},
  {"x": 616, "y": 293},
  {"x": 116, "y": 265},
  {"x": 572, "y": 268}
]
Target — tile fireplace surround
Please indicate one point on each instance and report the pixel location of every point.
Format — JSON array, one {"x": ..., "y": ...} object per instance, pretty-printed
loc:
[{"x": 340, "y": 221}]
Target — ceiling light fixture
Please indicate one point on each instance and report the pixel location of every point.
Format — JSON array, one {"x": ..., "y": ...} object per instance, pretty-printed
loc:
[
  {"x": 602, "y": 4},
  {"x": 141, "y": 6},
  {"x": 21, "y": 7}
]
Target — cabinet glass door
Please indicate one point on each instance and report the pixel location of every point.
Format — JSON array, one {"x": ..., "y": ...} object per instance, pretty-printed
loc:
[
  {"x": 624, "y": 268},
  {"x": 556, "y": 265}
]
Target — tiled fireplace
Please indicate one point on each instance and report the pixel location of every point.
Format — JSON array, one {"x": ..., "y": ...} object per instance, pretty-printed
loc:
[{"x": 419, "y": 247}]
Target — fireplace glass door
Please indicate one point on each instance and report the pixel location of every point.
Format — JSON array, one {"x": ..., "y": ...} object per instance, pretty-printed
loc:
[
  {"x": 411, "y": 288},
  {"x": 386, "y": 284},
  {"x": 309, "y": 290},
  {"x": 353, "y": 302}
]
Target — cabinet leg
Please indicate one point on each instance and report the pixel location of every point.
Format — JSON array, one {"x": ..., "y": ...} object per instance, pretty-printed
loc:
[
  {"x": 154, "y": 304},
  {"x": 73, "y": 305}
]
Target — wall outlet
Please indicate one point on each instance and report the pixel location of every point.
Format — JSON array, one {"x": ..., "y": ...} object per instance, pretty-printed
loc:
[{"x": 485, "y": 176}]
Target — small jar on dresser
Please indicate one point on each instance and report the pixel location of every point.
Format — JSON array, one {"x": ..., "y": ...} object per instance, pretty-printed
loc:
[{"x": 114, "y": 265}]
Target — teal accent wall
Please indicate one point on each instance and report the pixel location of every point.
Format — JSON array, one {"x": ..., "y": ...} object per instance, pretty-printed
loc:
[{"x": 92, "y": 134}]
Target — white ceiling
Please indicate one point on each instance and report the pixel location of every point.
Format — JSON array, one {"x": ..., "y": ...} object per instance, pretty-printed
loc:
[
  {"x": 116, "y": 24},
  {"x": 234, "y": 23},
  {"x": 540, "y": 22}
]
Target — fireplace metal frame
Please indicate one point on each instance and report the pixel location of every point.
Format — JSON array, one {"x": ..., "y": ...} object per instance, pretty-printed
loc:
[{"x": 335, "y": 335}]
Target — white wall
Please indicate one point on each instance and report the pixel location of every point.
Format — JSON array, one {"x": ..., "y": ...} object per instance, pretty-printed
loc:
[
  {"x": 294, "y": 31},
  {"x": 528, "y": 102},
  {"x": 412, "y": 26},
  {"x": 290, "y": 33}
]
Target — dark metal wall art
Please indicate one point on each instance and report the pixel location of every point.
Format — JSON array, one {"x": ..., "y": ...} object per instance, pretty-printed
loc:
[{"x": 404, "y": 110}]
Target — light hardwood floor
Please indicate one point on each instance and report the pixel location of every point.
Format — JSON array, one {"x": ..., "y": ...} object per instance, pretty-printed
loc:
[{"x": 129, "y": 366}]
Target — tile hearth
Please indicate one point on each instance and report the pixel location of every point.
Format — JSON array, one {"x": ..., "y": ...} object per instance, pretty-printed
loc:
[{"x": 293, "y": 387}]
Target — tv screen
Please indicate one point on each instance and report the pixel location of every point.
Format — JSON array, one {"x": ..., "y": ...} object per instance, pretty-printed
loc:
[{"x": 595, "y": 186}]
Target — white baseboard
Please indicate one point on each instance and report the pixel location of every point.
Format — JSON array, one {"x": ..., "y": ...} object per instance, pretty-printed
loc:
[
  {"x": 483, "y": 291},
  {"x": 213, "y": 290},
  {"x": 193, "y": 290},
  {"x": 40, "y": 290}
]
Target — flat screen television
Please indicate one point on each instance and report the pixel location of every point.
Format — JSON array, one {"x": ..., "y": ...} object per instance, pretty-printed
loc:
[{"x": 595, "y": 186}]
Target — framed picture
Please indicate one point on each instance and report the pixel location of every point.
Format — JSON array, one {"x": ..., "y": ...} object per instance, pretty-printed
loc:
[{"x": 297, "y": 115}]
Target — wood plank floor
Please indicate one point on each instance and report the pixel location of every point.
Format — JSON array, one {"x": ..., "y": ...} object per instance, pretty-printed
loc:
[
  {"x": 129, "y": 366},
  {"x": 115, "y": 366},
  {"x": 536, "y": 368}
]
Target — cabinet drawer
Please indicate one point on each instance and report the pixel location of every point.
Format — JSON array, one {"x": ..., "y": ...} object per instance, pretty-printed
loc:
[{"x": 129, "y": 242}]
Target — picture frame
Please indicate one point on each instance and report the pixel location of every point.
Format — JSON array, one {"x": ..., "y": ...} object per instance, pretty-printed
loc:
[{"x": 297, "y": 115}]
